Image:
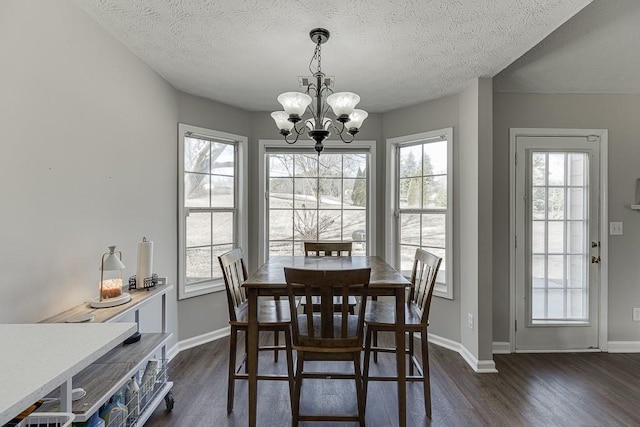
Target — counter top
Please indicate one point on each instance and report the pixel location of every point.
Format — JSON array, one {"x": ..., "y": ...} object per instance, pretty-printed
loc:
[{"x": 37, "y": 358}]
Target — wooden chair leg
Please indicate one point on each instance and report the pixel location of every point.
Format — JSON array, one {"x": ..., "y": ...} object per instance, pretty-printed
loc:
[
  {"x": 289, "y": 351},
  {"x": 359, "y": 388},
  {"x": 367, "y": 356},
  {"x": 232, "y": 368},
  {"x": 295, "y": 411},
  {"x": 425, "y": 370},
  {"x": 246, "y": 346},
  {"x": 375, "y": 344},
  {"x": 410, "y": 353},
  {"x": 276, "y": 341}
]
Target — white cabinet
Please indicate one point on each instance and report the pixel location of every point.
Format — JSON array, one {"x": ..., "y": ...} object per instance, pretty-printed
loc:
[{"x": 103, "y": 378}]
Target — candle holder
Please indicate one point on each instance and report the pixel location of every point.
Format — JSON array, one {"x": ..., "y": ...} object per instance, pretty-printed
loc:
[{"x": 111, "y": 281}]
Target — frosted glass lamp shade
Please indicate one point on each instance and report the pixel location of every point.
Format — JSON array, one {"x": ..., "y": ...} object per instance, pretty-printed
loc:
[
  {"x": 343, "y": 102},
  {"x": 294, "y": 103},
  {"x": 282, "y": 120},
  {"x": 356, "y": 119},
  {"x": 311, "y": 123}
]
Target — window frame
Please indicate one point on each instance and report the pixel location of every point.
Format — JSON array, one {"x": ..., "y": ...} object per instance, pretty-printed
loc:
[
  {"x": 392, "y": 210},
  {"x": 264, "y": 148},
  {"x": 241, "y": 198}
]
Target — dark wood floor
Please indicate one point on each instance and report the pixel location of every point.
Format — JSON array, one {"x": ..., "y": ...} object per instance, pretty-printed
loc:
[{"x": 576, "y": 389}]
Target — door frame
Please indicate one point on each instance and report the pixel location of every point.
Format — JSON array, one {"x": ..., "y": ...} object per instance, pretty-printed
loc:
[{"x": 603, "y": 134}]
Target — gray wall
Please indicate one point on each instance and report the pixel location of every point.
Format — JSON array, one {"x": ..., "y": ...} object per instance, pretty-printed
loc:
[
  {"x": 88, "y": 159},
  {"x": 437, "y": 114},
  {"x": 620, "y": 115}
]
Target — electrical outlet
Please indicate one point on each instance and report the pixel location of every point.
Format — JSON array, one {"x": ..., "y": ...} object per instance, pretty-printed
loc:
[
  {"x": 615, "y": 228},
  {"x": 470, "y": 321},
  {"x": 636, "y": 314}
]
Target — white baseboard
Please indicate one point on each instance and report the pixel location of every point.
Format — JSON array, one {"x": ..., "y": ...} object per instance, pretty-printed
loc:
[
  {"x": 204, "y": 338},
  {"x": 443, "y": 342},
  {"x": 501, "y": 347},
  {"x": 479, "y": 366},
  {"x": 624, "y": 346}
]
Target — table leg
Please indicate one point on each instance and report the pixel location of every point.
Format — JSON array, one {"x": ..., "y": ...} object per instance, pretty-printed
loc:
[
  {"x": 252, "y": 354},
  {"x": 400, "y": 357}
]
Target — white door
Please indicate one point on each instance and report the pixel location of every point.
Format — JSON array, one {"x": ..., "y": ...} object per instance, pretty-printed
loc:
[{"x": 557, "y": 243}]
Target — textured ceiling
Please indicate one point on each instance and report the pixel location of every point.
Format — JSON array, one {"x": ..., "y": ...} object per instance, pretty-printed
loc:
[
  {"x": 393, "y": 53},
  {"x": 597, "y": 51}
]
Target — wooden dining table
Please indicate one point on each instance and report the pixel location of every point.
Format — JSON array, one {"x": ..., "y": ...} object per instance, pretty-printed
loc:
[{"x": 269, "y": 280}]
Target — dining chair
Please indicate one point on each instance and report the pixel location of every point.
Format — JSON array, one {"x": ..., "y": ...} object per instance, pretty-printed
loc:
[
  {"x": 328, "y": 335},
  {"x": 329, "y": 249},
  {"x": 380, "y": 317},
  {"x": 273, "y": 316}
]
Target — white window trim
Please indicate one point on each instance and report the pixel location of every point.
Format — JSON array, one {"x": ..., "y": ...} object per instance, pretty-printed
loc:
[
  {"x": 189, "y": 291},
  {"x": 391, "y": 210},
  {"x": 264, "y": 144}
]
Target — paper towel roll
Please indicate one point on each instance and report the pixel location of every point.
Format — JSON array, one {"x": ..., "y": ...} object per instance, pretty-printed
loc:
[{"x": 145, "y": 262}]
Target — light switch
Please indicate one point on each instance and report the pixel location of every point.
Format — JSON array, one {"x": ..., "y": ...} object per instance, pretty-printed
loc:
[{"x": 615, "y": 228}]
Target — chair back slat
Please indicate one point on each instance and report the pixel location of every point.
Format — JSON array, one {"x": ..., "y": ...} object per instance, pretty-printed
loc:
[
  {"x": 326, "y": 328},
  {"x": 234, "y": 272},
  {"x": 328, "y": 248},
  {"x": 423, "y": 278}
]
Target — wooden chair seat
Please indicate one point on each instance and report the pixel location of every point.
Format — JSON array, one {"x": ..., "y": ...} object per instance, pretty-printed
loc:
[
  {"x": 275, "y": 313},
  {"x": 383, "y": 315}
]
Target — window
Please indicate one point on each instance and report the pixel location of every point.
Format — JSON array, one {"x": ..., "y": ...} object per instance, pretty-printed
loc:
[
  {"x": 211, "y": 189},
  {"x": 311, "y": 197},
  {"x": 420, "y": 215}
]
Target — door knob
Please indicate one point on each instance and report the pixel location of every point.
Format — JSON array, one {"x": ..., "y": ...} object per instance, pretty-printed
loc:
[{"x": 595, "y": 260}]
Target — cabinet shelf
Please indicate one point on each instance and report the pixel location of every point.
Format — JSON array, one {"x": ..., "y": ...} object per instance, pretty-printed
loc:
[{"x": 111, "y": 372}]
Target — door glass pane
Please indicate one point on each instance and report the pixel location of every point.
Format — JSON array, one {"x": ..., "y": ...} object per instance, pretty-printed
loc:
[
  {"x": 538, "y": 237},
  {"x": 556, "y": 236},
  {"x": 558, "y": 248},
  {"x": 539, "y": 168},
  {"x": 556, "y": 168},
  {"x": 539, "y": 203}
]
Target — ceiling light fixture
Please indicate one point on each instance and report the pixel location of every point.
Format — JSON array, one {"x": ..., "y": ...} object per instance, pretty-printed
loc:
[{"x": 318, "y": 127}]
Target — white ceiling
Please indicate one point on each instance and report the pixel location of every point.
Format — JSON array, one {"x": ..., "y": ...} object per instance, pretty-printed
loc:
[
  {"x": 597, "y": 51},
  {"x": 393, "y": 53}
]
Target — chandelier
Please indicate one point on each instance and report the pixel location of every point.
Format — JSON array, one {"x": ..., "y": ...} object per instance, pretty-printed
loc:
[{"x": 317, "y": 95}]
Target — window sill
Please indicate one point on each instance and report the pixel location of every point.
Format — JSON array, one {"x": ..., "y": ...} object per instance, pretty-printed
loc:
[{"x": 195, "y": 290}]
